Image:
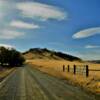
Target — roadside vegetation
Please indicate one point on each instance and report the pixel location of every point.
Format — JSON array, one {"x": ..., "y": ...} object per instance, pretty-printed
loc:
[
  {"x": 9, "y": 57},
  {"x": 54, "y": 67},
  {"x": 5, "y": 72}
]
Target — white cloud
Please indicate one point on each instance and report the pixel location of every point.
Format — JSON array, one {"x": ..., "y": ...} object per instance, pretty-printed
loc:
[
  {"x": 21, "y": 24},
  {"x": 1, "y": 15},
  {"x": 92, "y": 46},
  {"x": 90, "y": 55},
  {"x": 1, "y": 9},
  {"x": 40, "y": 11},
  {"x": 7, "y": 46},
  {"x": 9, "y": 34},
  {"x": 4, "y": 8},
  {"x": 87, "y": 32}
]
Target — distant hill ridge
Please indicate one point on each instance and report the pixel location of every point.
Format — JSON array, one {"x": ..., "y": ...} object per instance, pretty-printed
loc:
[
  {"x": 38, "y": 53},
  {"x": 95, "y": 61}
]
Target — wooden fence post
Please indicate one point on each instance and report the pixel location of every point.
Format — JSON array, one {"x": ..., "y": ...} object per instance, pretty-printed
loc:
[
  {"x": 63, "y": 68},
  {"x": 68, "y": 68},
  {"x": 87, "y": 70},
  {"x": 74, "y": 69}
]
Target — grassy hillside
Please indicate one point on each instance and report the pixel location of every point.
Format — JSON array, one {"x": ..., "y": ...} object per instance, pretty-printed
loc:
[{"x": 37, "y": 53}]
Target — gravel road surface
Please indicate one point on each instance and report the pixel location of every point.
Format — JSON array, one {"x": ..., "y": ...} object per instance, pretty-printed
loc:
[{"x": 30, "y": 84}]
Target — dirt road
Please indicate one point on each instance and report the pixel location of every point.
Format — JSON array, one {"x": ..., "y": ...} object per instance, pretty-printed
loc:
[{"x": 31, "y": 84}]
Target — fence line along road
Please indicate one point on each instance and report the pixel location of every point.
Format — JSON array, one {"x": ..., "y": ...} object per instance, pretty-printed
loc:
[{"x": 79, "y": 69}]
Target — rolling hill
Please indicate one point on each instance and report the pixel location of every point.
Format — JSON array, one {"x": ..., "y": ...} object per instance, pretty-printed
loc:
[{"x": 38, "y": 53}]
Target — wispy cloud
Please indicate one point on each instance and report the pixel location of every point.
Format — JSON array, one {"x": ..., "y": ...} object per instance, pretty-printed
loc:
[
  {"x": 86, "y": 33},
  {"x": 7, "y": 45},
  {"x": 1, "y": 9},
  {"x": 92, "y": 46},
  {"x": 41, "y": 11},
  {"x": 12, "y": 23},
  {"x": 5, "y": 7},
  {"x": 89, "y": 54},
  {"x": 23, "y": 25},
  {"x": 10, "y": 34}
]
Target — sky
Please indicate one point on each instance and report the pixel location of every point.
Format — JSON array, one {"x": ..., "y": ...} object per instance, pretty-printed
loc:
[{"x": 70, "y": 26}]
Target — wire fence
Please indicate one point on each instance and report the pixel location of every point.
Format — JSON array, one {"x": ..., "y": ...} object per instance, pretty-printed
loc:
[{"x": 78, "y": 69}]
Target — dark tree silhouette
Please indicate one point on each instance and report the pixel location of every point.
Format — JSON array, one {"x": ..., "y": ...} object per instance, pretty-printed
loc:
[{"x": 10, "y": 57}]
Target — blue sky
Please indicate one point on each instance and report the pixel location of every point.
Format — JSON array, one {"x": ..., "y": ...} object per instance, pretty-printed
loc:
[{"x": 71, "y": 26}]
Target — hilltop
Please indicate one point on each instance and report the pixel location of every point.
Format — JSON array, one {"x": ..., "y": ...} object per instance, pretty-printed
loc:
[{"x": 38, "y": 53}]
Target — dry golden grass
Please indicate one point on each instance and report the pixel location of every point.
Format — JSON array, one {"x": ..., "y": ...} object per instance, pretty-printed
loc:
[
  {"x": 54, "y": 67},
  {"x": 5, "y": 72}
]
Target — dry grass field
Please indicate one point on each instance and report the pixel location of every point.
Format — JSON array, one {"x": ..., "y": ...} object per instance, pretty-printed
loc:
[
  {"x": 54, "y": 67},
  {"x": 5, "y": 72}
]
